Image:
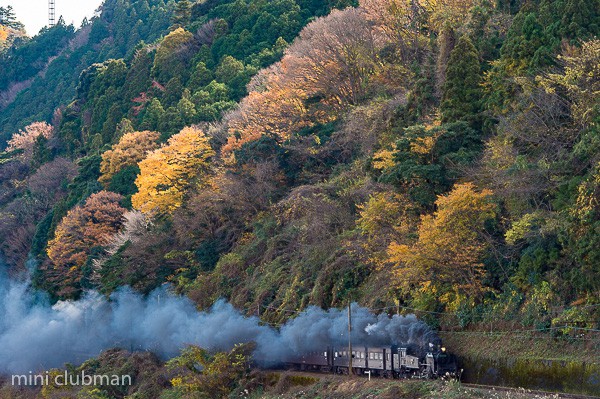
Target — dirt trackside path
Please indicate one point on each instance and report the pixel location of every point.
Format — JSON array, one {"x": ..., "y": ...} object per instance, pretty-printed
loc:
[{"x": 326, "y": 386}]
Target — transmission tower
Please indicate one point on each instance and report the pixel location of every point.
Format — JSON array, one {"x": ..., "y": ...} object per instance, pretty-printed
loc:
[{"x": 51, "y": 13}]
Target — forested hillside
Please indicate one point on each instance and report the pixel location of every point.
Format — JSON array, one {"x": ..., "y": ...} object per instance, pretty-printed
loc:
[{"x": 440, "y": 156}]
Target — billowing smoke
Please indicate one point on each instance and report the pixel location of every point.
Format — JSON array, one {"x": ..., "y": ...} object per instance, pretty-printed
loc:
[{"x": 35, "y": 336}]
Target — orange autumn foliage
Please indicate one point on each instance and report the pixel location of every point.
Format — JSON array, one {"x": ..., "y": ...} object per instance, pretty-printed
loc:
[
  {"x": 83, "y": 228},
  {"x": 325, "y": 70}
]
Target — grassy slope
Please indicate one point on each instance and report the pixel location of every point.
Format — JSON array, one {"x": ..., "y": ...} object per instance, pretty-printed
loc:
[{"x": 531, "y": 347}]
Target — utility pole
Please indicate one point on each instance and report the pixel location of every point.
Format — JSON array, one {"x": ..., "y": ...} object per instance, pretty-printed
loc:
[
  {"x": 350, "y": 371},
  {"x": 51, "y": 13}
]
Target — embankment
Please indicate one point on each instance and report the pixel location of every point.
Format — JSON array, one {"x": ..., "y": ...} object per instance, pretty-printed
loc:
[{"x": 533, "y": 361}]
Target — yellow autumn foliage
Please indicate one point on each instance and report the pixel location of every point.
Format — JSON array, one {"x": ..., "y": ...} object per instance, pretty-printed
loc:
[
  {"x": 131, "y": 149},
  {"x": 384, "y": 159},
  {"x": 3, "y": 33},
  {"x": 450, "y": 246},
  {"x": 169, "y": 171}
]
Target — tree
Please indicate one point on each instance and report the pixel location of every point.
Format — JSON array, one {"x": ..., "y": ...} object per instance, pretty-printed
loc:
[
  {"x": 582, "y": 241},
  {"x": 173, "y": 92},
  {"x": 233, "y": 73},
  {"x": 4, "y": 32},
  {"x": 17, "y": 224},
  {"x": 171, "y": 122},
  {"x": 171, "y": 56},
  {"x": 7, "y": 18},
  {"x": 169, "y": 171},
  {"x": 328, "y": 68},
  {"x": 402, "y": 22},
  {"x": 40, "y": 151},
  {"x": 182, "y": 14},
  {"x": 335, "y": 56},
  {"x": 448, "y": 253},
  {"x": 186, "y": 108},
  {"x": 125, "y": 126},
  {"x": 25, "y": 139},
  {"x": 461, "y": 97},
  {"x": 138, "y": 75},
  {"x": 83, "y": 228},
  {"x": 580, "y": 81},
  {"x": 131, "y": 149},
  {"x": 153, "y": 115},
  {"x": 200, "y": 77},
  {"x": 210, "y": 375},
  {"x": 447, "y": 13},
  {"x": 580, "y": 20},
  {"x": 386, "y": 217},
  {"x": 279, "y": 111}
]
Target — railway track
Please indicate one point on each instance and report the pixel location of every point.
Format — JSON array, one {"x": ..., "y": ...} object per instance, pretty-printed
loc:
[{"x": 528, "y": 391}]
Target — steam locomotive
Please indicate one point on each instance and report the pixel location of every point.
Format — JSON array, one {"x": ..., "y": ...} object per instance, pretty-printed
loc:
[{"x": 386, "y": 361}]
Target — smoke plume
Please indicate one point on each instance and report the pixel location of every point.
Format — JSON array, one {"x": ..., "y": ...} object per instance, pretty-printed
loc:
[{"x": 36, "y": 336}]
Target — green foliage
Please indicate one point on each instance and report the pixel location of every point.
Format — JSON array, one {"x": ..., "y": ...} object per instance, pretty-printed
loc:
[
  {"x": 210, "y": 375},
  {"x": 24, "y": 61},
  {"x": 57, "y": 85},
  {"x": 123, "y": 182},
  {"x": 535, "y": 37},
  {"x": 172, "y": 56},
  {"x": 257, "y": 25},
  {"x": 461, "y": 98},
  {"x": 153, "y": 115},
  {"x": 427, "y": 160},
  {"x": 305, "y": 211},
  {"x": 7, "y": 18},
  {"x": 181, "y": 16}
]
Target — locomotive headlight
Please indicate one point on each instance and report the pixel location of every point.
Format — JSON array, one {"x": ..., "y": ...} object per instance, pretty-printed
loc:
[{"x": 443, "y": 349}]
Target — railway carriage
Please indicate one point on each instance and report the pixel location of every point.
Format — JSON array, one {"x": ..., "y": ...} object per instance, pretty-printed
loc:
[{"x": 386, "y": 361}]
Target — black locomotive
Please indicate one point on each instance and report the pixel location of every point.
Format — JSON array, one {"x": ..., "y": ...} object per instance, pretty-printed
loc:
[{"x": 386, "y": 361}]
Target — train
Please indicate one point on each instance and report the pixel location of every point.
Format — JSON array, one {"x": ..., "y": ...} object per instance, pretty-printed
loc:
[{"x": 384, "y": 361}]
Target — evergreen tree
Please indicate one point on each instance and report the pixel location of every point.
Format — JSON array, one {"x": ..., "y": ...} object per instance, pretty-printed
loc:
[
  {"x": 41, "y": 152},
  {"x": 580, "y": 19},
  {"x": 7, "y": 18},
  {"x": 461, "y": 96},
  {"x": 124, "y": 127},
  {"x": 170, "y": 123},
  {"x": 153, "y": 115},
  {"x": 173, "y": 92},
  {"x": 186, "y": 108},
  {"x": 200, "y": 77},
  {"x": 183, "y": 13}
]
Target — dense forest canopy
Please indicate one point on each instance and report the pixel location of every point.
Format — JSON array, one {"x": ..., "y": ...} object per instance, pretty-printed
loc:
[{"x": 436, "y": 155}]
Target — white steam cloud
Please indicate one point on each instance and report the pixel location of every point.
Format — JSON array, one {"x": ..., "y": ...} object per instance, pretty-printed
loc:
[{"x": 36, "y": 336}]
